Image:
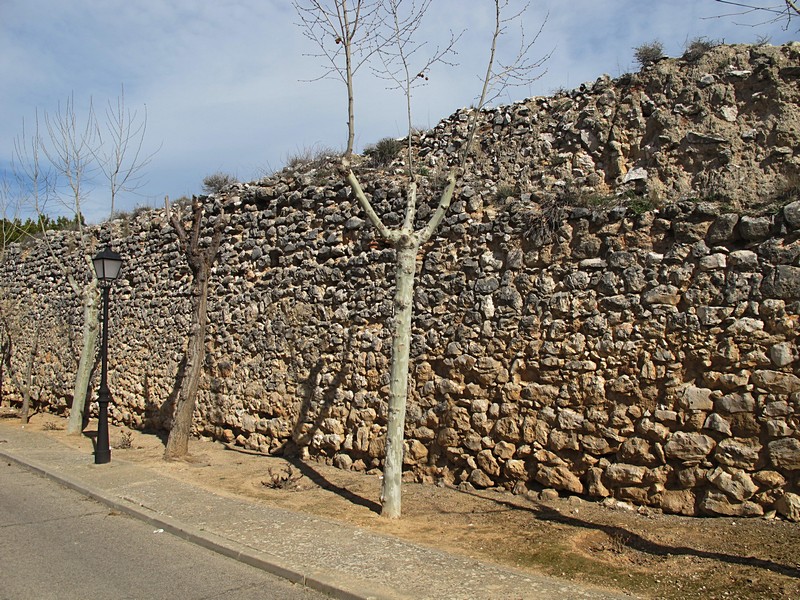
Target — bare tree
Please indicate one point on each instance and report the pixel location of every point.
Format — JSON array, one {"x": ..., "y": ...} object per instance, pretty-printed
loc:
[
  {"x": 16, "y": 318},
  {"x": 344, "y": 31},
  {"x": 26, "y": 384},
  {"x": 58, "y": 164},
  {"x": 70, "y": 150},
  {"x": 200, "y": 257},
  {"x": 120, "y": 155},
  {"x": 6, "y": 234},
  {"x": 404, "y": 63}
]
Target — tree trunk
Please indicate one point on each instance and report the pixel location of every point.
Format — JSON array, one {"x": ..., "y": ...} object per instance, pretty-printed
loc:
[
  {"x": 26, "y": 391},
  {"x": 178, "y": 441},
  {"x": 398, "y": 385},
  {"x": 5, "y": 361},
  {"x": 91, "y": 331}
]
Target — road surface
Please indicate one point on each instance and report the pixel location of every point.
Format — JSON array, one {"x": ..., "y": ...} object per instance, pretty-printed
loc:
[{"x": 58, "y": 544}]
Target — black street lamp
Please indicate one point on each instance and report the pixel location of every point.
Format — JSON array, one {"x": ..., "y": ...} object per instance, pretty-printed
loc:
[{"x": 106, "y": 265}]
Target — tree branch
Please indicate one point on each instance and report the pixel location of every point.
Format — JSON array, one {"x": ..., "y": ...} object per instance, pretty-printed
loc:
[
  {"x": 383, "y": 231},
  {"x": 441, "y": 209}
]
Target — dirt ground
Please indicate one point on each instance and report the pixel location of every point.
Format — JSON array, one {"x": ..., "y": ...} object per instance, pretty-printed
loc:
[{"x": 642, "y": 552}]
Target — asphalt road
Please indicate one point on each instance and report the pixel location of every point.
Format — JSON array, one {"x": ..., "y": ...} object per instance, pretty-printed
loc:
[{"x": 58, "y": 544}]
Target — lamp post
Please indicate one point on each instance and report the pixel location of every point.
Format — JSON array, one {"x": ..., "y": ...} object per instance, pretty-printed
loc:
[{"x": 106, "y": 265}]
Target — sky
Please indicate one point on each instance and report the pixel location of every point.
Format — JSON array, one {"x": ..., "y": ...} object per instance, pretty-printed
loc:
[{"x": 230, "y": 86}]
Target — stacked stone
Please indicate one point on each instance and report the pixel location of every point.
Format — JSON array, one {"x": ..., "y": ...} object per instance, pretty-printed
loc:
[
  {"x": 645, "y": 356},
  {"x": 650, "y": 358},
  {"x": 677, "y": 129}
]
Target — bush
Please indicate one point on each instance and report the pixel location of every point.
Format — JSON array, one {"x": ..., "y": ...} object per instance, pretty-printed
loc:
[
  {"x": 216, "y": 182},
  {"x": 697, "y": 48},
  {"x": 314, "y": 155},
  {"x": 789, "y": 189},
  {"x": 647, "y": 54},
  {"x": 504, "y": 192},
  {"x": 384, "y": 151}
]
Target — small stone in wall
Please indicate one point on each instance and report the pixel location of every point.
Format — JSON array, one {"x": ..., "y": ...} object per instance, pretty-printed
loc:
[
  {"x": 776, "y": 382},
  {"x": 737, "y": 485},
  {"x": 714, "y": 422},
  {"x": 754, "y": 229},
  {"x": 625, "y": 475},
  {"x": 729, "y": 113},
  {"x": 782, "y": 354},
  {"x": 637, "y": 174},
  {"x": 696, "y": 398},
  {"x": 791, "y": 214},
  {"x": 734, "y": 453},
  {"x": 679, "y": 502},
  {"x": 549, "y": 495},
  {"x": 342, "y": 461},
  {"x": 480, "y": 479},
  {"x": 736, "y": 403}
]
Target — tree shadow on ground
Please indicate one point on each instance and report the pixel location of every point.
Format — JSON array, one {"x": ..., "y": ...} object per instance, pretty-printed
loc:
[
  {"x": 316, "y": 405},
  {"x": 319, "y": 479},
  {"x": 639, "y": 543},
  {"x": 157, "y": 416}
]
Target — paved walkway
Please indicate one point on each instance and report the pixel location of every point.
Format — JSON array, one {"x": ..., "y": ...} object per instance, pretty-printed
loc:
[{"x": 338, "y": 559}]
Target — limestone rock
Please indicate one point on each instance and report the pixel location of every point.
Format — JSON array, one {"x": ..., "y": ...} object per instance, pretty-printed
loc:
[
  {"x": 680, "y": 502},
  {"x": 480, "y": 479},
  {"x": 791, "y": 213},
  {"x": 717, "y": 503},
  {"x": 737, "y": 485},
  {"x": 785, "y": 453},
  {"x": 737, "y": 453},
  {"x": 624, "y": 475},
  {"x": 776, "y": 381},
  {"x": 695, "y": 398},
  {"x": 689, "y": 446},
  {"x": 559, "y": 477},
  {"x": 788, "y": 505}
]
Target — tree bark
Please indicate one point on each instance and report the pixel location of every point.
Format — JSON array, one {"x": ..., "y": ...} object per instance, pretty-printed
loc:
[
  {"x": 178, "y": 441},
  {"x": 200, "y": 262},
  {"x": 5, "y": 361},
  {"x": 26, "y": 391},
  {"x": 398, "y": 384},
  {"x": 91, "y": 331}
]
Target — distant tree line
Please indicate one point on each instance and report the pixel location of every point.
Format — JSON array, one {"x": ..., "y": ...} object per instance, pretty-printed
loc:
[{"x": 15, "y": 230}]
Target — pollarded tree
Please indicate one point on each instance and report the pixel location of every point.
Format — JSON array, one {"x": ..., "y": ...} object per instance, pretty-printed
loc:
[
  {"x": 200, "y": 255},
  {"x": 349, "y": 31}
]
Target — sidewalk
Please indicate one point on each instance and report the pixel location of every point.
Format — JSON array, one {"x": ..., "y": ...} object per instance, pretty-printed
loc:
[{"x": 337, "y": 559}]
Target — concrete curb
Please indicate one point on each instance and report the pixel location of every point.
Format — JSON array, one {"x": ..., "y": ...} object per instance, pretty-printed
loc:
[{"x": 320, "y": 581}]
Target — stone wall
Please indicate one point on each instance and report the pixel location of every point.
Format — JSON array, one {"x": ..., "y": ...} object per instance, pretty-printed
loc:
[{"x": 647, "y": 355}]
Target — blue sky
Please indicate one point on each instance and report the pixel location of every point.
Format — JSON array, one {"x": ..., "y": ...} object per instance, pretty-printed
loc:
[{"x": 225, "y": 81}]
